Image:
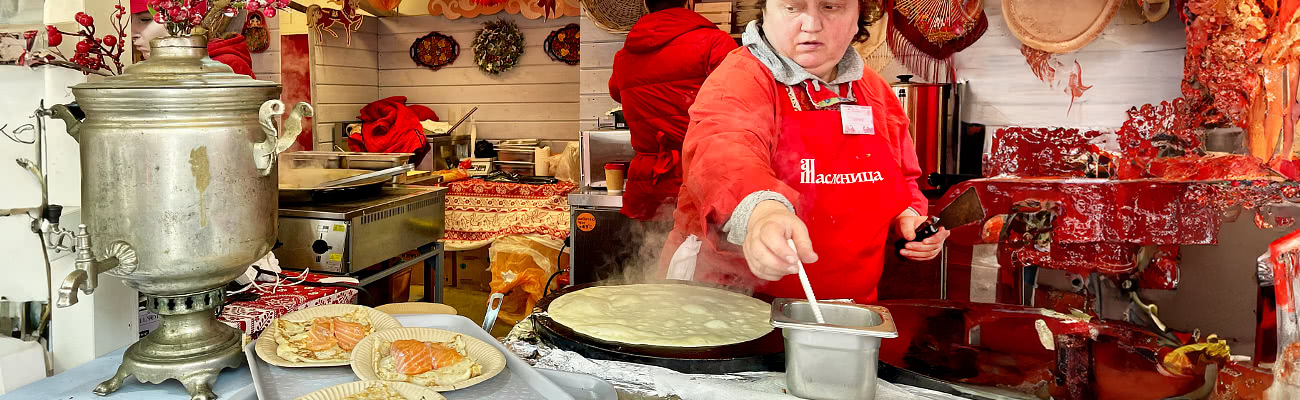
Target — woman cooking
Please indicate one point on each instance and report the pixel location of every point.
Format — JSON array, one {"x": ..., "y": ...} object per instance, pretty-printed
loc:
[{"x": 792, "y": 138}]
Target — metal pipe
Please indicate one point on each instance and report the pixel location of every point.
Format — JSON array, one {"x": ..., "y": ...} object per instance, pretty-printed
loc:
[{"x": 42, "y": 152}]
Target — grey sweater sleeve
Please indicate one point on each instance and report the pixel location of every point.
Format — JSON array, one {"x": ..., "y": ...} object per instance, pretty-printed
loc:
[{"x": 736, "y": 227}]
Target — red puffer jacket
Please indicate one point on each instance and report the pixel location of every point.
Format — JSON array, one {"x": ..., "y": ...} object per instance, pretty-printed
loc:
[
  {"x": 232, "y": 51},
  {"x": 656, "y": 76}
]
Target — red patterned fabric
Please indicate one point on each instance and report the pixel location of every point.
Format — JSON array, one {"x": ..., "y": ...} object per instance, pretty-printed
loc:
[
  {"x": 254, "y": 316},
  {"x": 478, "y": 212}
]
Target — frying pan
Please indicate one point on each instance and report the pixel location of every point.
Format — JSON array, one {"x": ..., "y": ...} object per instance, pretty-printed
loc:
[
  {"x": 301, "y": 185},
  {"x": 766, "y": 353}
]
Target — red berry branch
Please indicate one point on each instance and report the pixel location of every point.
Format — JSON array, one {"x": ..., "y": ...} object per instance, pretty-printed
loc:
[
  {"x": 93, "y": 53},
  {"x": 183, "y": 16}
]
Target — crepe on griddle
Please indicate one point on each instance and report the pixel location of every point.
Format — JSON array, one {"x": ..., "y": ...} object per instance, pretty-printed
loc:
[{"x": 666, "y": 315}]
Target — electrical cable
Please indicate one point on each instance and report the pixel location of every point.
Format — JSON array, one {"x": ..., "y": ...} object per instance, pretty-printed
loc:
[
  {"x": 547, "y": 289},
  {"x": 49, "y": 273},
  {"x": 358, "y": 288},
  {"x": 15, "y": 135}
]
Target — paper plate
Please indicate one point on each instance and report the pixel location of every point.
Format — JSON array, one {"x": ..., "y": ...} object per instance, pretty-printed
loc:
[
  {"x": 364, "y": 360},
  {"x": 266, "y": 342},
  {"x": 407, "y": 390},
  {"x": 416, "y": 307}
]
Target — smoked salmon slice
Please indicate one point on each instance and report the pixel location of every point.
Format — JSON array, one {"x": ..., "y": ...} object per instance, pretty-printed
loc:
[
  {"x": 413, "y": 357},
  {"x": 348, "y": 333},
  {"x": 321, "y": 335},
  {"x": 444, "y": 356}
]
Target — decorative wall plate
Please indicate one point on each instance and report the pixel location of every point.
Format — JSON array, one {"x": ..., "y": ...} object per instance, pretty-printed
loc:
[
  {"x": 435, "y": 50},
  {"x": 563, "y": 44}
]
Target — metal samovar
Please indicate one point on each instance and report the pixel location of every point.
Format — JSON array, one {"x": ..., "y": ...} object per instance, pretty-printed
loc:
[{"x": 179, "y": 196}]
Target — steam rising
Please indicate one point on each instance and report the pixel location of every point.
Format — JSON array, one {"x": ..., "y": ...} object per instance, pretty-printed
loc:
[{"x": 643, "y": 258}]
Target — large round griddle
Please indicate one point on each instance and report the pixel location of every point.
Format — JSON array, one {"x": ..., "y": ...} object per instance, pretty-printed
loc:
[
  {"x": 763, "y": 354},
  {"x": 302, "y": 185}
]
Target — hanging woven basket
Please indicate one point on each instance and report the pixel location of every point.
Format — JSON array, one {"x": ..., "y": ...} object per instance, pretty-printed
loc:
[
  {"x": 616, "y": 16},
  {"x": 1058, "y": 27}
]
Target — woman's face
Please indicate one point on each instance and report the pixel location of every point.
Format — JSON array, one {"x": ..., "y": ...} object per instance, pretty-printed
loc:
[
  {"x": 144, "y": 29},
  {"x": 813, "y": 33}
]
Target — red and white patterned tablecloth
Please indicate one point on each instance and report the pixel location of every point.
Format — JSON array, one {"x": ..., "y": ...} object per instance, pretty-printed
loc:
[
  {"x": 478, "y": 212},
  {"x": 254, "y": 316}
]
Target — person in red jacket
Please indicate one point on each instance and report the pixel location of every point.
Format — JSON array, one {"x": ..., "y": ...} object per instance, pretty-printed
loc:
[
  {"x": 229, "y": 49},
  {"x": 663, "y": 62},
  {"x": 792, "y": 139}
]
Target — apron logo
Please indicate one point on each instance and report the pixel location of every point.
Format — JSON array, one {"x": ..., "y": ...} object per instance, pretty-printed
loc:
[{"x": 810, "y": 176}]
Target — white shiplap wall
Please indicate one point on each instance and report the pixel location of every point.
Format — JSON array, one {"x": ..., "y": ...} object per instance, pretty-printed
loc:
[
  {"x": 1127, "y": 65},
  {"x": 344, "y": 78},
  {"x": 536, "y": 99},
  {"x": 598, "y": 48}
]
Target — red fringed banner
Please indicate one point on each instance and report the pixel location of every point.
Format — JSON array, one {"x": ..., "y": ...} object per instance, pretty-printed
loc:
[{"x": 925, "y": 42}]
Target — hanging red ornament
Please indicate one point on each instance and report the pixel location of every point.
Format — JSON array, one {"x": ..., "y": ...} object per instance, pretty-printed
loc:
[
  {"x": 489, "y": 2},
  {"x": 548, "y": 6}
]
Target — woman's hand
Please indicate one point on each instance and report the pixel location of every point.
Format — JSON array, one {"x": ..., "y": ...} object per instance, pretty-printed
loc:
[
  {"x": 924, "y": 250},
  {"x": 766, "y": 242}
]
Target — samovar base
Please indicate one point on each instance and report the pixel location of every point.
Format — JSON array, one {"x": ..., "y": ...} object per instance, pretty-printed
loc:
[{"x": 190, "y": 346}]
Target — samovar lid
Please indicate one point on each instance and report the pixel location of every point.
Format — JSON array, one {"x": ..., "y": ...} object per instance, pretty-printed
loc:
[{"x": 177, "y": 62}]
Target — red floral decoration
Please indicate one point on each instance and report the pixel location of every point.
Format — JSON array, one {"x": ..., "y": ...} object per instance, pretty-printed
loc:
[
  {"x": 182, "y": 16},
  {"x": 564, "y": 44},
  {"x": 94, "y": 54}
]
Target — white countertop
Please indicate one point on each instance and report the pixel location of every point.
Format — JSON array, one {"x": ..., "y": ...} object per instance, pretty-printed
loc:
[{"x": 594, "y": 197}]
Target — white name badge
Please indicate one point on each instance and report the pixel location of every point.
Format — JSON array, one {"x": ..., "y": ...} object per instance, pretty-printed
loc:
[{"x": 857, "y": 120}]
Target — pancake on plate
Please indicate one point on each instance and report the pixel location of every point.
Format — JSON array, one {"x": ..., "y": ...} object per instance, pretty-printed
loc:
[
  {"x": 377, "y": 391},
  {"x": 322, "y": 338},
  {"x": 425, "y": 363}
]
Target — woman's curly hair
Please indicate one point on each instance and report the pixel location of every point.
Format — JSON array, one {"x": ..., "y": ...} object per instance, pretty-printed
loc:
[{"x": 869, "y": 12}]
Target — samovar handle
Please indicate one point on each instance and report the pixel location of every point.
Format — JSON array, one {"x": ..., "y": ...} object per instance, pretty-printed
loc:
[{"x": 264, "y": 153}]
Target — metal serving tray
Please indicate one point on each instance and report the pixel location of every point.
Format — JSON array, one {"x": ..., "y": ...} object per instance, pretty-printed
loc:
[{"x": 518, "y": 381}]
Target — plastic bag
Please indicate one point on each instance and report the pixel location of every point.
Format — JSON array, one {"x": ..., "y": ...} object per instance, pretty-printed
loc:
[
  {"x": 520, "y": 268},
  {"x": 565, "y": 166}
]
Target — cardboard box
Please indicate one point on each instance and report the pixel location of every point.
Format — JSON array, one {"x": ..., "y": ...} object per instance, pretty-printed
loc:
[
  {"x": 148, "y": 321},
  {"x": 472, "y": 270},
  {"x": 417, "y": 270},
  {"x": 449, "y": 267}
]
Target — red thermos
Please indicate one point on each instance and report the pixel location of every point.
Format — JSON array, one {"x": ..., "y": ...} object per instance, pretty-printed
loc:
[{"x": 934, "y": 119}]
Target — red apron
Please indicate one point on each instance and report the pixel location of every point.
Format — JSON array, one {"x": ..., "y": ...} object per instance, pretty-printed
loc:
[{"x": 850, "y": 188}]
